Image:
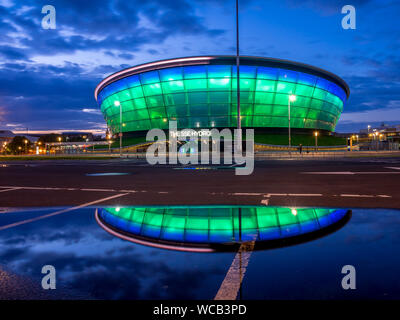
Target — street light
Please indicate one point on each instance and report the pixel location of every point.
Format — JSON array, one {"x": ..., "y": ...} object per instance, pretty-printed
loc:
[
  {"x": 118, "y": 104},
  {"x": 239, "y": 118},
  {"x": 26, "y": 145},
  {"x": 316, "y": 140},
  {"x": 292, "y": 98}
]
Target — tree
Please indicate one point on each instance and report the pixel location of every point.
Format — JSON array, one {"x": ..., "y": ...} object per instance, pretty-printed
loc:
[
  {"x": 18, "y": 145},
  {"x": 47, "y": 138}
]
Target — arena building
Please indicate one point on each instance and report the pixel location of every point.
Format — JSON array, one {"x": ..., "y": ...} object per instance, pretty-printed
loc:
[{"x": 201, "y": 93}]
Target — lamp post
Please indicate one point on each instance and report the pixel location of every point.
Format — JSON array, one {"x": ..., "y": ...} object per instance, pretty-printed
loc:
[
  {"x": 26, "y": 144},
  {"x": 4, "y": 147},
  {"x": 118, "y": 104},
  {"x": 239, "y": 120},
  {"x": 292, "y": 98},
  {"x": 59, "y": 141},
  {"x": 316, "y": 140}
]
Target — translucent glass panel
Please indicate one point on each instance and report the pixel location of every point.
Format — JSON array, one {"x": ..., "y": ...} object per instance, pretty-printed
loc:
[
  {"x": 205, "y": 96},
  {"x": 218, "y": 224}
]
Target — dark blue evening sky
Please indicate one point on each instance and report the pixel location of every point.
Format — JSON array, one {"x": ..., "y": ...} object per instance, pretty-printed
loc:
[{"x": 47, "y": 77}]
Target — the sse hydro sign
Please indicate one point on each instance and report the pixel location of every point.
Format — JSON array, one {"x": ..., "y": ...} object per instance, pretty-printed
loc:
[{"x": 200, "y": 92}]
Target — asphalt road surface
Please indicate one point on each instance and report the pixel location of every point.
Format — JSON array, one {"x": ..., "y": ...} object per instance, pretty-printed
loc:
[
  {"x": 91, "y": 263},
  {"x": 362, "y": 182}
]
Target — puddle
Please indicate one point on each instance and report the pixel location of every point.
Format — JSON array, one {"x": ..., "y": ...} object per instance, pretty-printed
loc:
[
  {"x": 206, "y": 168},
  {"x": 309, "y": 247},
  {"x": 101, "y": 174},
  {"x": 216, "y": 228}
]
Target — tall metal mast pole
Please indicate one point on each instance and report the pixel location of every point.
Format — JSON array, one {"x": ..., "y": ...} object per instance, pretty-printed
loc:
[
  {"x": 290, "y": 138},
  {"x": 239, "y": 125},
  {"x": 120, "y": 130}
]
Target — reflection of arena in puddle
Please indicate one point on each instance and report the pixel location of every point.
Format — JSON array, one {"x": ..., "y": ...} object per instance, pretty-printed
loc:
[{"x": 211, "y": 228}]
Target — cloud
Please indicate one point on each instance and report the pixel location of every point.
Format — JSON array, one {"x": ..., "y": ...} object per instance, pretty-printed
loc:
[
  {"x": 327, "y": 7},
  {"x": 51, "y": 86},
  {"x": 96, "y": 25},
  {"x": 376, "y": 115},
  {"x": 92, "y": 111},
  {"x": 46, "y": 73}
]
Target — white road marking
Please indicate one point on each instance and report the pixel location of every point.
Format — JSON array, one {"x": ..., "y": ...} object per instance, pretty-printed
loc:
[
  {"x": 378, "y": 172},
  {"x": 246, "y": 194},
  {"x": 305, "y": 195},
  {"x": 266, "y": 201},
  {"x": 15, "y": 224},
  {"x": 265, "y": 195},
  {"x": 350, "y": 172},
  {"x": 68, "y": 189},
  {"x": 329, "y": 172},
  {"x": 103, "y": 190},
  {"x": 366, "y": 195},
  {"x": 394, "y": 168},
  {"x": 11, "y": 189},
  {"x": 234, "y": 277},
  {"x": 357, "y": 195},
  {"x": 269, "y": 195},
  {"x": 275, "y": 194}
]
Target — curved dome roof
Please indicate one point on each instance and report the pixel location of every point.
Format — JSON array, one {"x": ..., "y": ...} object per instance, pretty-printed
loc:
[{"x": 229, "y": 60}]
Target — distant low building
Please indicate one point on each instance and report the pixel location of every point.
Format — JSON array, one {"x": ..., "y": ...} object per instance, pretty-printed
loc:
[
  {"x": 76, "y": 136},
  {"x": 383, "y": 137},
  {"x": 7, "y": 136},
  {"x": 384, "y": 130}
]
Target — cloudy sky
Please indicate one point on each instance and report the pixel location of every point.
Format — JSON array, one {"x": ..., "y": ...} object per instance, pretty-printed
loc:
[{"x": 47, "y": 77}]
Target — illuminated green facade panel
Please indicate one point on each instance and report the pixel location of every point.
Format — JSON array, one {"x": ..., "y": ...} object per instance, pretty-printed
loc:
[{"x": 204, "y": 96}]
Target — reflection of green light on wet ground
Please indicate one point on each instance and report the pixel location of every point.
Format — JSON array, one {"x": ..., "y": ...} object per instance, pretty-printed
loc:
[{"x": 218, "y": 224}]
